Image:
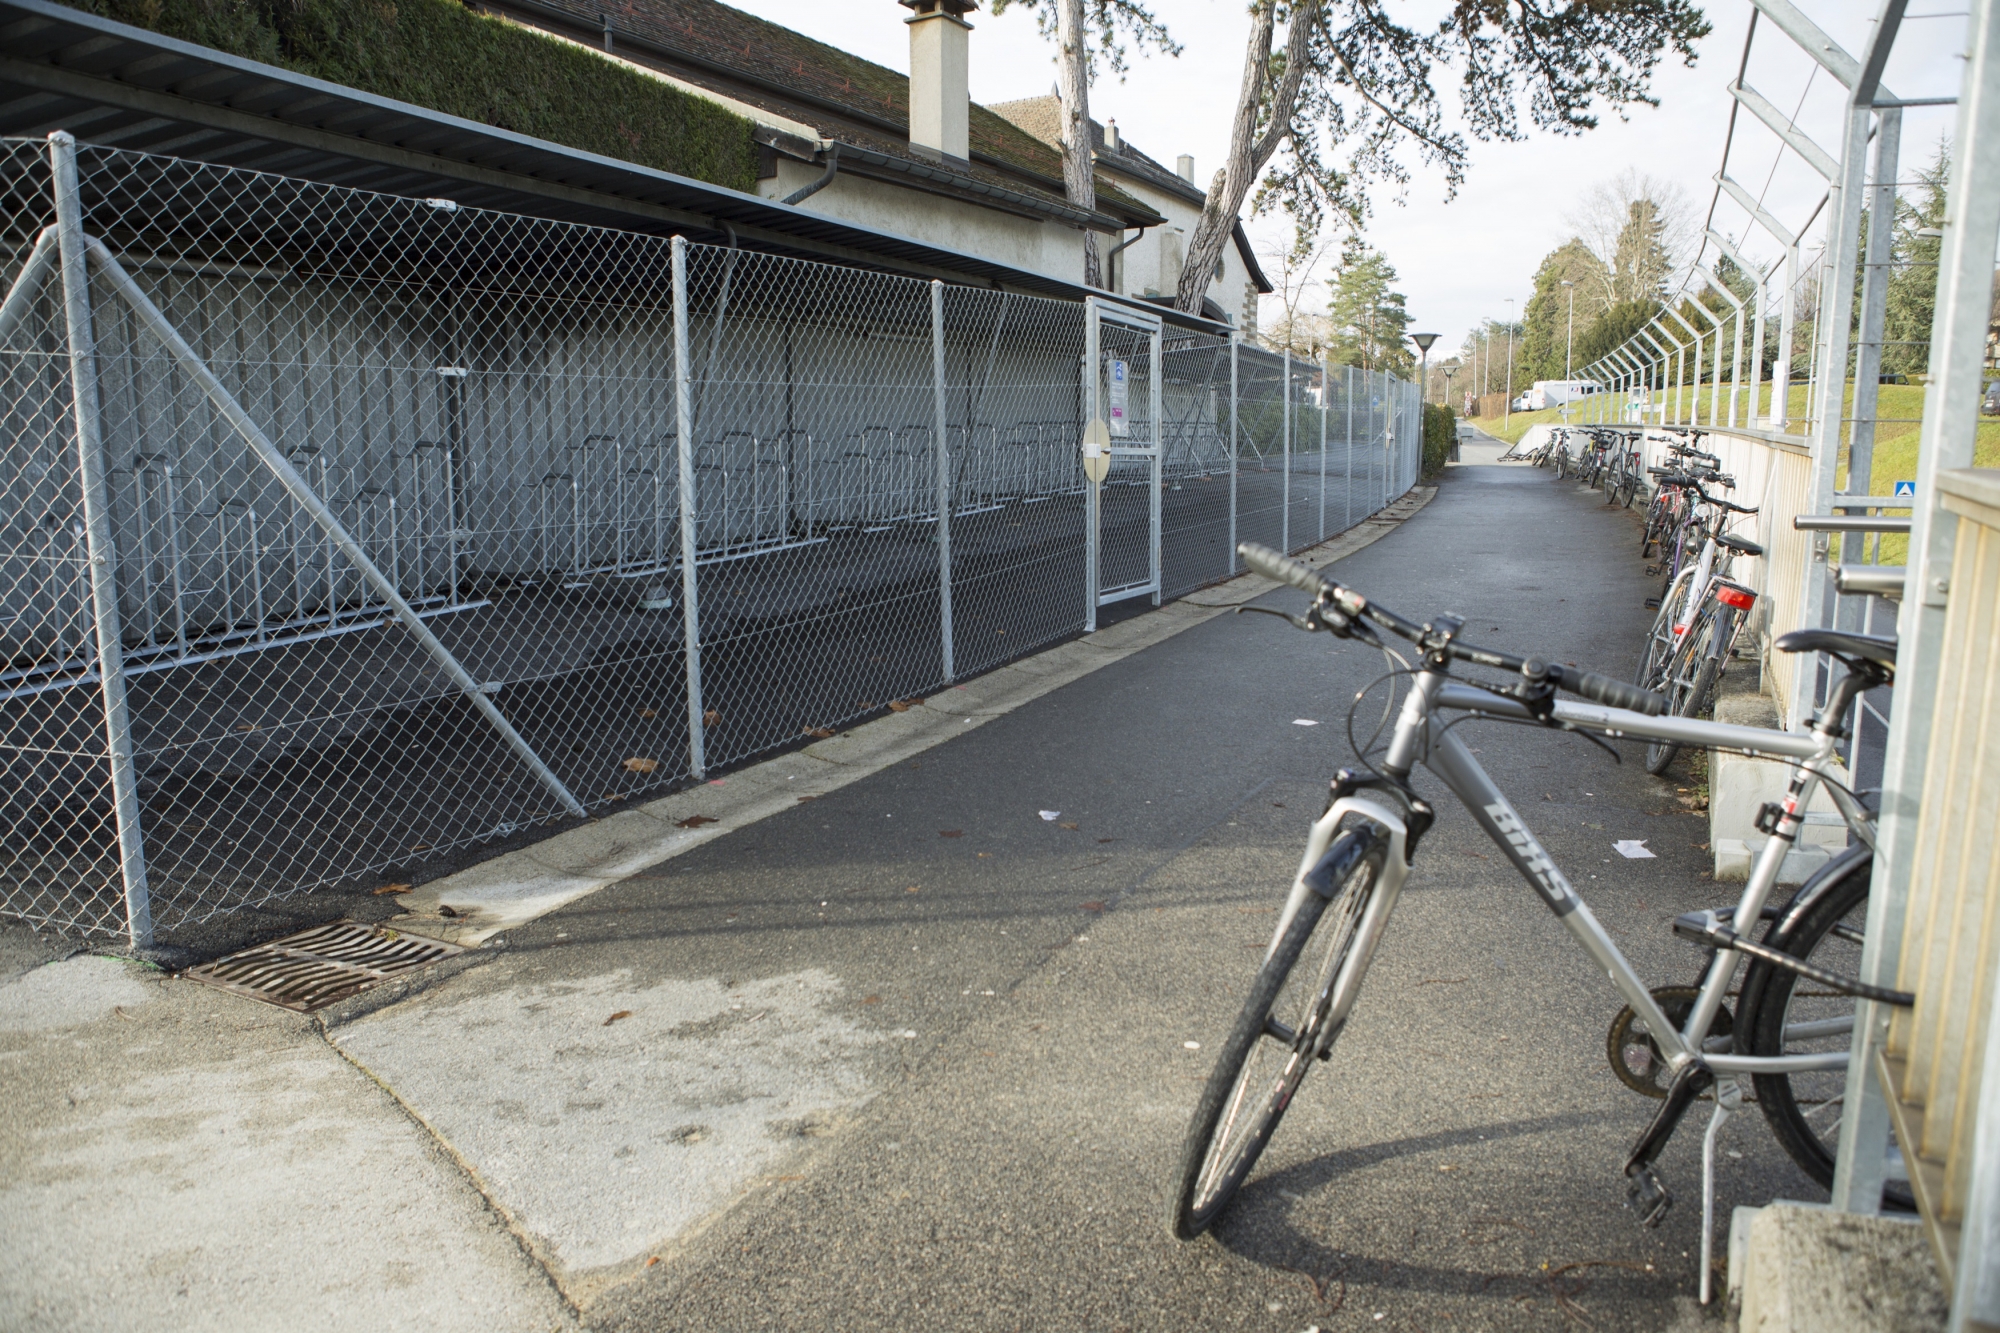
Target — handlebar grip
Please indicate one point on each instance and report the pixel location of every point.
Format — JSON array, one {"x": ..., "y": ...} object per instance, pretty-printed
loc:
[
  {"x": 1272, "y": 565},
  {"x": 1612, "y": 693}
]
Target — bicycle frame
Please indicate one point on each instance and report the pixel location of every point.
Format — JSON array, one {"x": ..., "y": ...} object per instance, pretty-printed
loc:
[{"x": 1421, "y": 736}]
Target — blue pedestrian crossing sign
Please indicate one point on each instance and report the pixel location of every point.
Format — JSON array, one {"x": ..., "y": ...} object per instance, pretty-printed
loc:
[{"x": 1904, "y": 488}]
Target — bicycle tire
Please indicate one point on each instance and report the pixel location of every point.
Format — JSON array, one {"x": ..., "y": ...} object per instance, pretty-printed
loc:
[
  {"x": 1692, "y": 669},
  {"x": 1229, "y": 1132},
  {"x": 1660, "y": 638},
  {"x": 1794, "y": 1104}
]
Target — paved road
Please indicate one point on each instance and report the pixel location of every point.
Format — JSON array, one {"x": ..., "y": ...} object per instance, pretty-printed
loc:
[{"x": 913, "y": 1056}]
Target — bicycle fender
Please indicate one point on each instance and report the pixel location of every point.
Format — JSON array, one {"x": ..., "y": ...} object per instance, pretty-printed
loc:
[{"x": 1856, "y": 859}]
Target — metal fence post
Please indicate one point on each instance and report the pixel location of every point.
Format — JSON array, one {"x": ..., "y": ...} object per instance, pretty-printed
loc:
[
  {"x": 99, "y": 541},
  {"x": 1325, "y": 391},
  {"x": 1285, "y": 487},
  {"x": 1156, "y": 405},
  {"x": 1347, "y": 490},
  {"x": 684, "y": 442},
  {"x": 1091, "y": 496},
  {"x": 1235, "y": 411},
  {"x": 943, "y": 478}
]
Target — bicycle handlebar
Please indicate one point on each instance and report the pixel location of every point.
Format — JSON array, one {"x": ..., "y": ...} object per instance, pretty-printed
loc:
[{"x": 1588, "y": 684}]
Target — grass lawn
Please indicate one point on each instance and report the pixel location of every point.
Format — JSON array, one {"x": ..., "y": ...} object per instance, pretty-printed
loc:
[{"x": 1899, "y": 411}]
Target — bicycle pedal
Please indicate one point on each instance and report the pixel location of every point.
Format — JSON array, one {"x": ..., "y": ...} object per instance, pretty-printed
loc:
[
  {"x": 1648, "y": 1196},
  {"x": 1652, "y": 603}
]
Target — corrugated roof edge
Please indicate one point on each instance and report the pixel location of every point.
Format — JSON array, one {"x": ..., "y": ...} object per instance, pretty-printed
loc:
[{"x": 720, "y": 204}]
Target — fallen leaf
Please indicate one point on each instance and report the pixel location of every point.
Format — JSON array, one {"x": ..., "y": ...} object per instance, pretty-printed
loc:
[
  {"x": 696, "y": 821},
  {"x": 951, "y": 833},
  {"x": 1093, "y": 907},
  {"x": 641, "y": 765},
  {"x": 246, "y": 727},
  {"x": 710, "y": 717},
  {"x": 804, "y": 799},
  {"x": 420, "y": 846},
  {"x": 653, "y": 1260},
  {"x": 1066, "y": 824},
  {"x": 863, "y": 703},
  {"x": 914, "y": 888},
  {"x": 984, "y": 855},
  {"x": 871, "y": 999},
  {"x": 647, "y": 713},
  {"x": 392, "y": 888},
  {"x": 898, "y": 706},
  {"x": 1104, "y": 840},
  {"x": 445, "y": 910},
  {"x": 622, "y": 1013},
  {"x": 822, "y": 733}
]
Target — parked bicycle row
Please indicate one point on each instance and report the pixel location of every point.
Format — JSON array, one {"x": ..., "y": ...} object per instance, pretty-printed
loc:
[{"x": 1702, "y": 606}]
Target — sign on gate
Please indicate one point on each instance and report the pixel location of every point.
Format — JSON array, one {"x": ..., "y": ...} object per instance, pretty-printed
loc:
[
  {"x": 1120, "y": 400},
  {"x": 1904, "y": 488}
]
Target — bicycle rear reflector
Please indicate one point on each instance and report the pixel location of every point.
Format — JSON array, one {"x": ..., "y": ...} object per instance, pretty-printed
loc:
[{"x": 1736, "y": 595}]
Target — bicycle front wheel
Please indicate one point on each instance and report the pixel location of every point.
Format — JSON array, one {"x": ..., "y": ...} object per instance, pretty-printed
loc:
[{"x": 1287, "y": 1023}]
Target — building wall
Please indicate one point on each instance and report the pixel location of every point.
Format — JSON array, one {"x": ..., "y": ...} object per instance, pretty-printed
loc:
[
  {"x": 1050, "y": 248},
  {"x": 1151, "y": 266}
]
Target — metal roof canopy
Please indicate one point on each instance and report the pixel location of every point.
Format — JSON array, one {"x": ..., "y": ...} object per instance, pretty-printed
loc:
[{"x": 125, "y": 87}]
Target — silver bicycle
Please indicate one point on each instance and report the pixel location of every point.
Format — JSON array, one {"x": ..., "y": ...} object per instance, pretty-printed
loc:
[{"x": 1788, "y": 1036}]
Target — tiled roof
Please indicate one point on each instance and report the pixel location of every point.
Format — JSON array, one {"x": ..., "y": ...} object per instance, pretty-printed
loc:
[
  {"x": 847, "y": 98},
  {"x": 1042, "y": 118}
]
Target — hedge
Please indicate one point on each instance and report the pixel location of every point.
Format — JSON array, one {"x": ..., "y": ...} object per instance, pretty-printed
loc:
[
  {"x": 1440, "y": 432},
  {"x": 441, "y": 55}
]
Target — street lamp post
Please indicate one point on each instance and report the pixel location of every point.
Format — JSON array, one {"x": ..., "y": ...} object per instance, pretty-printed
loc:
[
  {"x": 1449, "y": 371},
  {"x": 1569, "y": 346},
  {"x": 1423, "y": 342},
  {"x": 1507, "y": 416}
]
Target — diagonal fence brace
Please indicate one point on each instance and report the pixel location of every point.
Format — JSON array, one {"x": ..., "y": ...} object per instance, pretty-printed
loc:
[{"x": 268, "y": 453}]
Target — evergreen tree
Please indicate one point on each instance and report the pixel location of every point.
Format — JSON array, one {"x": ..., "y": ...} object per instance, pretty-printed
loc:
[
  {"x": 1366, "y": 319},
  {"x": 1642, "y": 262},
  {"x": 1912, "y": 294},
  {"x": 1545, "y": 322}
]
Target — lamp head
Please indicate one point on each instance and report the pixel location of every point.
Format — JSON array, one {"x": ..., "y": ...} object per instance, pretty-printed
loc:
[{"x": 1424, "y": 341}]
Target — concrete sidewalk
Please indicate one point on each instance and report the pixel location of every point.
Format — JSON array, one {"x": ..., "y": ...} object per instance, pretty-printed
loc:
[{"x": 919, "y": 1051}]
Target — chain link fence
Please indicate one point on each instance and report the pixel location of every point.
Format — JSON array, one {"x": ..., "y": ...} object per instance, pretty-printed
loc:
[{"x": 345, "y": 531}]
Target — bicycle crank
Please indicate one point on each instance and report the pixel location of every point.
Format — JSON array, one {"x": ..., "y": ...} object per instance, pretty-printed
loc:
[{"x": 1636, "y": 1058}]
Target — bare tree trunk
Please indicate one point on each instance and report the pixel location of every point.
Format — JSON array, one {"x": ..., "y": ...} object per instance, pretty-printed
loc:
[
  {"x": 1079, "y": 173},
  {"x": 1247, "y": 152}
]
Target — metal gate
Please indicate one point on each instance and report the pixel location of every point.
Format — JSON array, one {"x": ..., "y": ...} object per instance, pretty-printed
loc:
[{"x": 1122, "y": 524}]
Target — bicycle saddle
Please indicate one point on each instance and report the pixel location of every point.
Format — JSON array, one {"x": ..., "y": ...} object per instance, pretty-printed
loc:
[
  {"x": 1740, "y": 545},
  {"x": 1879, "y": 649}
]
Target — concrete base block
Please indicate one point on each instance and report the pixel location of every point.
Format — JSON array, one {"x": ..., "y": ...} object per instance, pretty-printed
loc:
[
  {"x": 1734, "y": 856},
  {"x": 1803, "y": 1268}
]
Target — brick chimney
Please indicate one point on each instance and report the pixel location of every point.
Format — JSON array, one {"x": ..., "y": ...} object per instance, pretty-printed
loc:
[{"x": 939, "y": 98}]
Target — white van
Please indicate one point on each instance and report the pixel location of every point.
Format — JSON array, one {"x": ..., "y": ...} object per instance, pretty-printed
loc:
[{"x": 1554, "y": 393}]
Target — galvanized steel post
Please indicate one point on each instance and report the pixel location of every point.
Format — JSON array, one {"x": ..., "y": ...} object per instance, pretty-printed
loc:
[
  {"x": 1091, "y": 498},
  {"x": 1234, "y": 411},
  {"x": 1285, "y": 486},
  {"x": 943, "y": 480},
  {"x": 684, "y": 448},
  {"x": 100, "y": 546}
]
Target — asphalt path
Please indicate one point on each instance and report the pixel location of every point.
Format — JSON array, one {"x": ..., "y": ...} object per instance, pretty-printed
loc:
[{"x": 1032, "y": 1003}]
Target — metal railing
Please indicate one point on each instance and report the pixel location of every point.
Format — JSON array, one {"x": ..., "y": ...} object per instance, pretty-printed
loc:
[{"x": 343, "y": 532}]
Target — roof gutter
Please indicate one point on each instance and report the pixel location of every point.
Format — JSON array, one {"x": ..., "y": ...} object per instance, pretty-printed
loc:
[{"x": 1086, "y": 218}]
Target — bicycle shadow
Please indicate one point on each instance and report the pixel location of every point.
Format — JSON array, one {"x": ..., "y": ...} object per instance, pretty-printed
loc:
[{"x": 1263, "y": 1226}]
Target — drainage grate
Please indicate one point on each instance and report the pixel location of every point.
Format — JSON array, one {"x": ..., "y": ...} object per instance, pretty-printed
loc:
[{"x": 316, "y": 967}]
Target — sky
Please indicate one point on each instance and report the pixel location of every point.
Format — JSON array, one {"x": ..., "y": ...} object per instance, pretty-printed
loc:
[{"x": 1459, "y": 261}]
